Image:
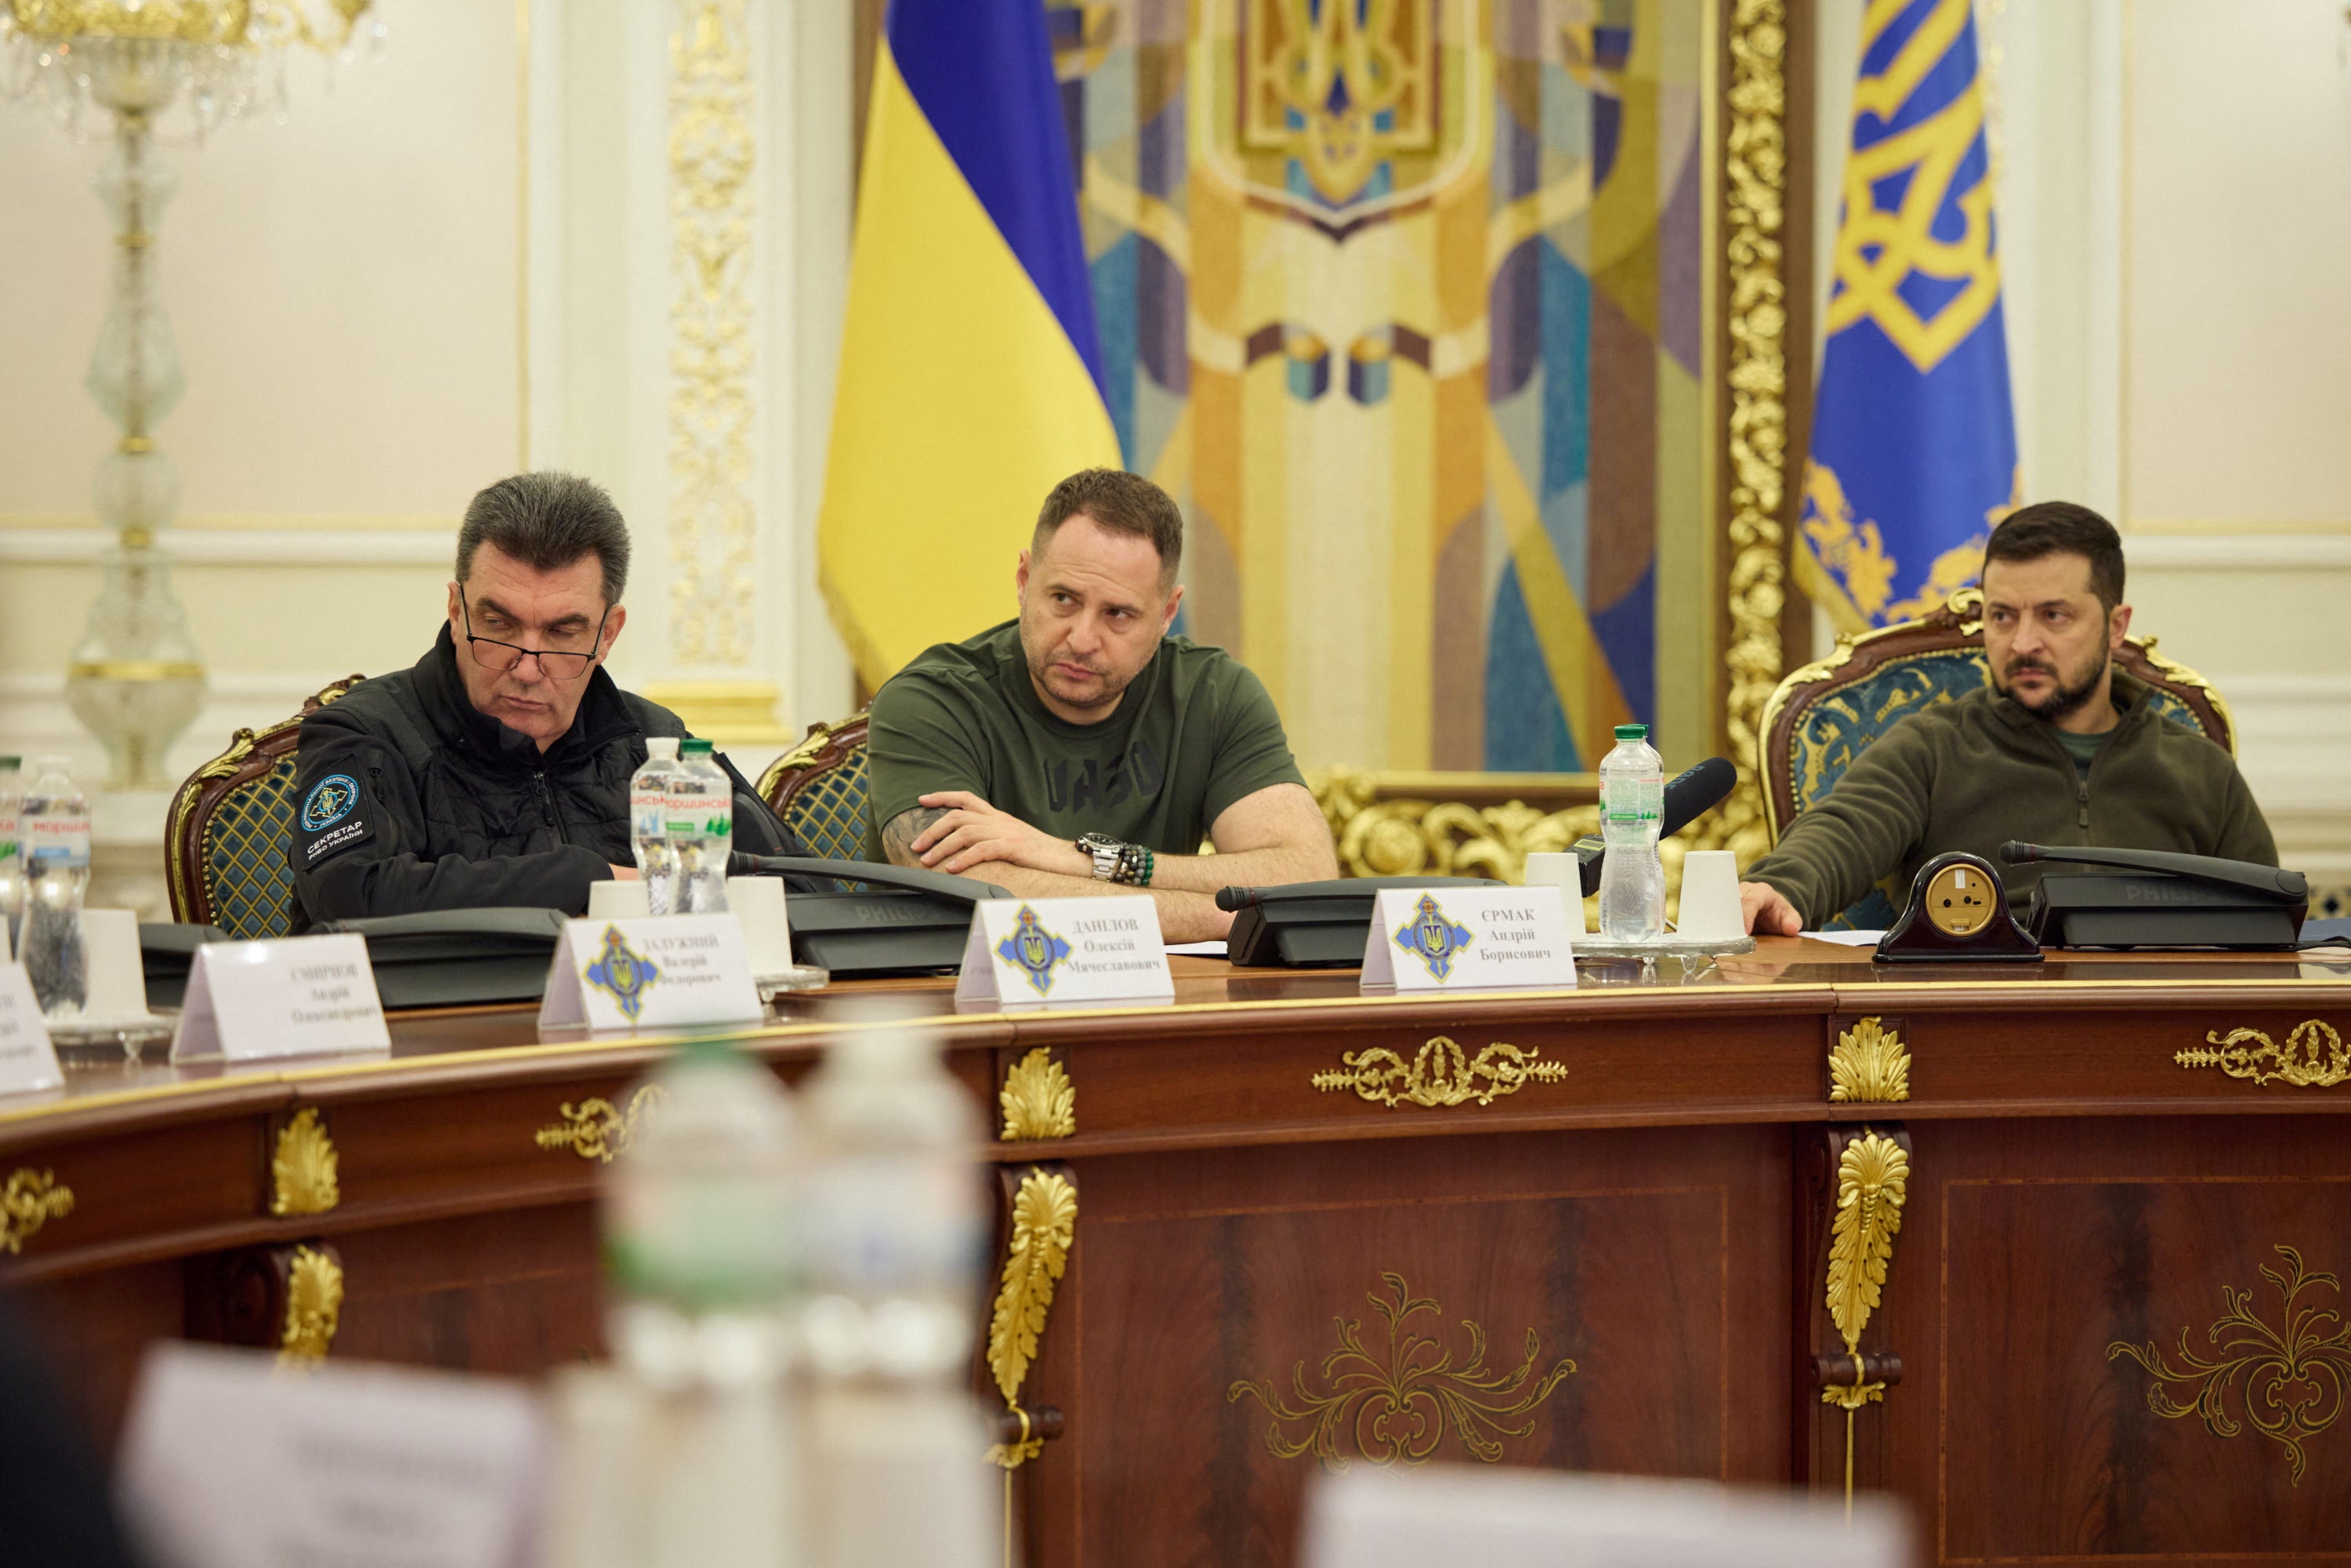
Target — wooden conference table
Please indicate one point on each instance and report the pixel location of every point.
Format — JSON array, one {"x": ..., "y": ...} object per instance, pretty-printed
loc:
[{"x": 2109, "y": 1198}]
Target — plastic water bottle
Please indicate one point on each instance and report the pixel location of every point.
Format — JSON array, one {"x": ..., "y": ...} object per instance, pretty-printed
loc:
[
  {"x": 897, "y": 1222},
  {"x": 12, "y": 863},
  {"x": 701, "y": 1237},
  {"x": 1632, "y": 809},
  {"x": 53, "y": 824},
  {"x": 648, "y": 824},
  {"x": 704, "y": 1254},
  {"x": 701, "y": 829}
]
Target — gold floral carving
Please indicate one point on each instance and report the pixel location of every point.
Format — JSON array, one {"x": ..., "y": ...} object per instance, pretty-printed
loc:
[
  {"x": 597, "y": 1130},
  {"x": 1044, "y": 1227},
  {"x": 1869, "y": 1063},
  {"x": 1397, "y": 1406},
  {"x": 302, "y": 1172},
  {"x": 1406, "y": 837},
  {"x": 1038, "y": 1100},
  {"x": 30, "y": 1200},
  {"x": 314, "y": 1307},
  {"x": 1755, "y": 180},
  {"x": 2313, "y": 1055},
  {"x": 1440, "y": 1074},
  {"x": 2293, "y": 1377},
  {"x": 713, "y": 154},
  {"x": 1873, "y": 1184}
]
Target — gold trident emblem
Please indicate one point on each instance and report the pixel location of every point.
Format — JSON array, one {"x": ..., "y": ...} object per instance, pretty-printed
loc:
[{"x": 1877, "y": 249}]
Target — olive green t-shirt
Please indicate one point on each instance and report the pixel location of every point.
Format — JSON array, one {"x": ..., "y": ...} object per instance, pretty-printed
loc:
[{"x": 1193, "y": 734}]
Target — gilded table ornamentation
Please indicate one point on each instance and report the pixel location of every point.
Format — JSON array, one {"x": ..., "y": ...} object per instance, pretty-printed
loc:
[
  {"x": 30, "y": 1200},
  {"x": 1869, "y": 1063},
  {"x": 1873, "y": 1184},
  {"x": 302, "y": 1171},
  {"x": 1038, "y": 1100},
  {"x": 2313, "y": 1055},
  {"x": 1044, "y": 1227},
  {"x": 1397, "y": 1406},
  {"x": 1440, "y": 1074},
  {"x": 314, "y": 1307},
  {"x": 2294, "y": 1375},
  {"x": 597, "y": 1130}
]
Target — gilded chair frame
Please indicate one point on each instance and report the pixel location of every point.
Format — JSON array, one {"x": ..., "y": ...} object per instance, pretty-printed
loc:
[
  {"x": 252, "y": 755},
  {"x": 1955, "y": 629}
]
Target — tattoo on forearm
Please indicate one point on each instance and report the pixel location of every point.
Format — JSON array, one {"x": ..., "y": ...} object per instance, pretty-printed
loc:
[{"x": 899, "y": 833}]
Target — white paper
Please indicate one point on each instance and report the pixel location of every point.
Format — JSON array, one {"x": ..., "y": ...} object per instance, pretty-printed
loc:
[
  {"x": 1469, "y": 939},
  {"x": 1848, "y": 938},
  {"x": 294, "y": 995},
  {"x": 27, "y": 1060},
  {"x": 228, "y": 1463},
  {"x": 1055, "y": 952},
  {"x": 657, "y": 973},
  {"x": 1539, "y": 1518},
  {"x": 1215, "y": 949}
]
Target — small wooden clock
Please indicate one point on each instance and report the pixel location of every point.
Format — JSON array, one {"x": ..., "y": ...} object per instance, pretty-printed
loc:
[{"x": 1958, "y": 913}]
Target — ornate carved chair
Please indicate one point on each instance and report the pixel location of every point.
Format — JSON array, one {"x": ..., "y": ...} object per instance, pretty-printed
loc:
[
  {"x": 232, "y": 822},
  {"x": 818, "y": 788},
  {"x": 1822, "y": 717}
]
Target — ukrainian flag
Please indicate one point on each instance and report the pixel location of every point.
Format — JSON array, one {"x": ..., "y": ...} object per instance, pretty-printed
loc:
[
  {"x": 970, "y": 376},
  {"x": 1912, "y": 443}
]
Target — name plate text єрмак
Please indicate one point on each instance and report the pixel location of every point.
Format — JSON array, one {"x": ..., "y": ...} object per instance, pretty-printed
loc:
[{"x": 1469, "y": 939}]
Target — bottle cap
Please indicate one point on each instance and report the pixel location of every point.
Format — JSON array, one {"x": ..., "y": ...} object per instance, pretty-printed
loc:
[
  {"x": 1632, "y": 732},
  {"x": 663, "y": 746},
  {"x": 695, "y": 748}
]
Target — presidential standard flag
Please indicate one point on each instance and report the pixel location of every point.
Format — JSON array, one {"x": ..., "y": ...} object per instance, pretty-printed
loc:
[
  {"x": 1913, "y": 443},
  {"x": 970, "y": 378}
]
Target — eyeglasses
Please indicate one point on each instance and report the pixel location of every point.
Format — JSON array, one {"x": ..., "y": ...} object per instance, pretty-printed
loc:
[{"x": 501, "y": 658}]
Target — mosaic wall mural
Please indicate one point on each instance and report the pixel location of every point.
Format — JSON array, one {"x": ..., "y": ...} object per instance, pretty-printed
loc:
[{"x": 1405, "y": 300}]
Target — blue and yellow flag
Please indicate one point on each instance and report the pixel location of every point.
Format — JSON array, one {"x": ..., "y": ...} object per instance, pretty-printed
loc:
[
  {"x": 1913, "y": 445},
  {"x": 970, "y": 378}
]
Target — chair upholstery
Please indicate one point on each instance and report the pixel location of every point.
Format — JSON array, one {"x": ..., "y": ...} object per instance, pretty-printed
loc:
[
  {"x": 1824, "y": 715},
  {"x": 226, "y": 841},
  {"x": 818, "y": 788}
]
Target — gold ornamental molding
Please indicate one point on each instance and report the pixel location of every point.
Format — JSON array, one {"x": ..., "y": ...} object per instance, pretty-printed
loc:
[
  {"x": 713, "y": 156},
  {"x": 1044, "y": 1227},
  {"x": 595, "y": 1129},
  {"x": 1395, "y": 1407},
  {"x": 1440, "y": 1075},
  {"x": 1869, "y": 1064},
  {"x": 314, "y": 1307},
  {"x": 2292, "y": 1379},
  {"x": 1038, "y": 1100},
  {"x": 302, "y": 1171},
  {"x": 1755, "y": 376},
  {"x": 1408, "y": 836},
  {"x": 30, "y": 1200},
  {"x": 1873, "y": 1184},
  {"x": 2313, "y": 1056}
]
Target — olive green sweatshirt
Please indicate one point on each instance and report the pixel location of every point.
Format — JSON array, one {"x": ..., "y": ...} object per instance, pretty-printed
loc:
[{"x": 1977, "y": 771}]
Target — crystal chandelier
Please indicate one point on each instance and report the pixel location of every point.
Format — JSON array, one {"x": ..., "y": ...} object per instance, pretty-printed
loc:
[{"x": 146, "y": 70}]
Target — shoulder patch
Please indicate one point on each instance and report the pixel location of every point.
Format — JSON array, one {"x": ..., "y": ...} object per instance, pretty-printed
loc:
[{"x": 331, "y": 818}]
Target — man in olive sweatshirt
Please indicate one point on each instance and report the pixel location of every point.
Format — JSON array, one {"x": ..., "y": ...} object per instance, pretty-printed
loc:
[{"x": 2062, "y": 748}]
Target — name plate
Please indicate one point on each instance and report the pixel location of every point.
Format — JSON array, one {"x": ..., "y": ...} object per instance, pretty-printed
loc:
[
  {"x": 1469, "y": 939},
  {"x": 1054, "y": 952},
  {"x": 27, "y": 1060},
  {"x": 227, "y": 1462},
  {"x": 650, "y": 972},
  {"x": 295, "y": 996}
]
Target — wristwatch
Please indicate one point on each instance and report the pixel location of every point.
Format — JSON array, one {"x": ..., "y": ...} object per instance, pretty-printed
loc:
[{"x": 1130, "y": 866}]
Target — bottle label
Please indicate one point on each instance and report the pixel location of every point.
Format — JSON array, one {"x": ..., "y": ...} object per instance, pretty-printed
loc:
[
  {"x": 647, "y": 811},
  {"x": 709, "y": 813},
  {"x": 1634, "y": 800},
  {"x": 58, "y": 840}
]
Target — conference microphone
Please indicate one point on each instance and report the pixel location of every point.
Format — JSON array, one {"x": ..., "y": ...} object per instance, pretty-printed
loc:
[{"x": 1688, "y": 798}]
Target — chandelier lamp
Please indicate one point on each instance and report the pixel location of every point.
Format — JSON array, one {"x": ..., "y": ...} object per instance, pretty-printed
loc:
[{"x": 141, "y": 72}]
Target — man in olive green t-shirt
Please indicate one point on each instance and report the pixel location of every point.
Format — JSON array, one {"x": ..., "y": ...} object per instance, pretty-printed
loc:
[{"x": 1081, "y": 749}]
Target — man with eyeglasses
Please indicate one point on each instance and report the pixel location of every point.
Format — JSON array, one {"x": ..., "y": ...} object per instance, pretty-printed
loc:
[{"x": 495, "y": 770}]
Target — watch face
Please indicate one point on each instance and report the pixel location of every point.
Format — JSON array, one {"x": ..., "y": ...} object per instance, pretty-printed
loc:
[{"x": 1960, "y": 901}]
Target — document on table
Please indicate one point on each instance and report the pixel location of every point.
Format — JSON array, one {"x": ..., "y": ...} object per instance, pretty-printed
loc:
[{"x": 1215, "y": 950}]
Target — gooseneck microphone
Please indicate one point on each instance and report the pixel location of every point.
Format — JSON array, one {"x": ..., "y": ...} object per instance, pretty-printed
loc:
[{"x": 1688, "y": 798}]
